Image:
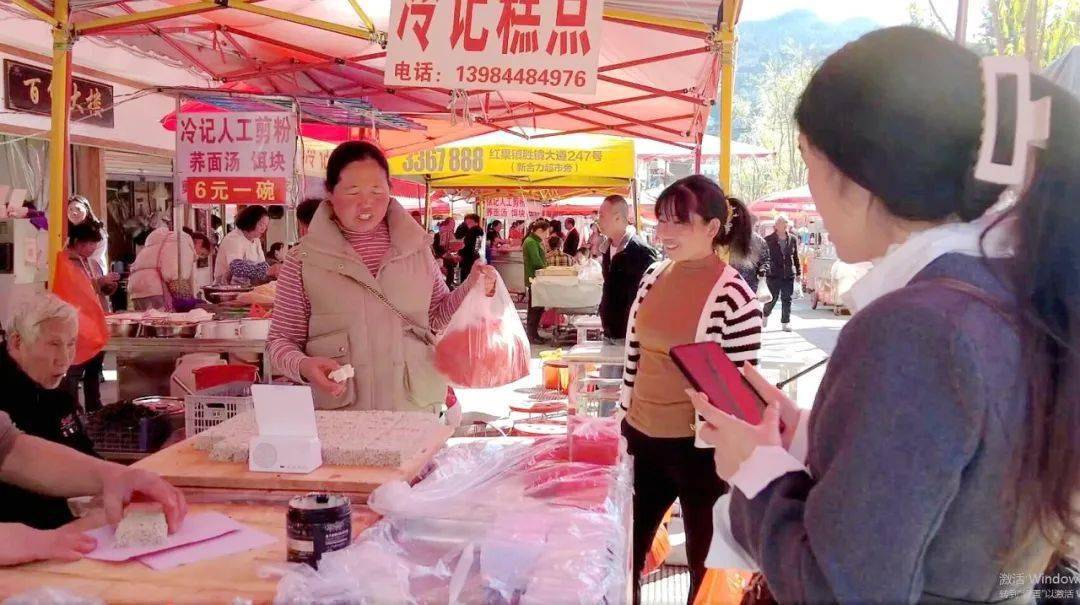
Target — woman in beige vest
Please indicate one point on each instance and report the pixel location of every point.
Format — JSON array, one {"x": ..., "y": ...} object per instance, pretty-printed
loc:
[{"x": 363, "y": 289}]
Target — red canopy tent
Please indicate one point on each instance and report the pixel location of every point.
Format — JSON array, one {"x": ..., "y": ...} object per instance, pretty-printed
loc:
[
  {"x": 792, "y": 201},
  {"x": 659, "y": 65}
]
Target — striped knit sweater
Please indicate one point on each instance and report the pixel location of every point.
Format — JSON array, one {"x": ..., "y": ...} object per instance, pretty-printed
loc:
[{"x": 732, "y": 317}]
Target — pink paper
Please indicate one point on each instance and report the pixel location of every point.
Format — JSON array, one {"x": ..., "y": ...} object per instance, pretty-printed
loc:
[
  {"x": 228, "y": 544},
  {"x": 196, "y": 528}
]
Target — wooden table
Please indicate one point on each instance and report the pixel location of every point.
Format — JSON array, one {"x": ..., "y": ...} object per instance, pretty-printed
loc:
[
  {"x": 211, "y": 581},
  {"x": 193, "y": 470}
]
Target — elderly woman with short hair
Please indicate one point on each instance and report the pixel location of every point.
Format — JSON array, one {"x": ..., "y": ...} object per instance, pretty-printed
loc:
[
  {"x": 37, "y": 353},
  {"x": 45, "y": 457}
]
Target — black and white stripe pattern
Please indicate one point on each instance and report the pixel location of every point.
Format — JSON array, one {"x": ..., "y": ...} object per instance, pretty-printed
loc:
[{"x": 732, "y": 317}]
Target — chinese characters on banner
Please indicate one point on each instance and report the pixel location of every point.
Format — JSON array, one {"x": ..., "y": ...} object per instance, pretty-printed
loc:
[
  {"x": 28, "y": 88},
  {"x": 235, "y": 158},
  {"x": 504, "y": 160},
  {"x": 534, "y": 45},
  {"x": 514, "y": 207},
  {"x": 315, "y": 160}
]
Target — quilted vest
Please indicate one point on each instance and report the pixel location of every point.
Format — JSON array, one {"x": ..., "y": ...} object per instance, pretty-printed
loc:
[{"x": 393, "y": 360}]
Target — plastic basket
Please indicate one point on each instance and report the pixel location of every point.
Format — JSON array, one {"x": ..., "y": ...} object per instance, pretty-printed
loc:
[
  {"x": 143, "y": 437},
  {"x": 210, "y": 407}
]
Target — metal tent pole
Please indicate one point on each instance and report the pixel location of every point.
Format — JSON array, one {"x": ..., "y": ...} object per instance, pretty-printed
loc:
[{"x": 59, "y": 139}]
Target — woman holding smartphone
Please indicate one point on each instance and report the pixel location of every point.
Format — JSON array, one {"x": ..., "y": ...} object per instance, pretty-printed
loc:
[
  {"x": 943, "y": 460},
  {"x": 692, "y": 296}
]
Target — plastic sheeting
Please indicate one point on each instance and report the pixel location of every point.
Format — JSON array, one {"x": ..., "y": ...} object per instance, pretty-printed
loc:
[{"x": 497, "y": 521}]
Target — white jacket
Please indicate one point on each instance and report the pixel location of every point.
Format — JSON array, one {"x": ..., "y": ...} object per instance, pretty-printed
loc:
[
  {"x": 157, "y": 262},
  {"x": 236, "y": 246}
]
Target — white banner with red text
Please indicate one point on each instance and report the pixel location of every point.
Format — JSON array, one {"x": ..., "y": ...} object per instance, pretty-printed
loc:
[
  {"x": 235, "y": 158},
  {"x": 532, "y": 45}
]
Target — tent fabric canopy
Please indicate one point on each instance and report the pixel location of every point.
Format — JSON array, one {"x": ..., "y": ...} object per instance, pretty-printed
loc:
[
  {"x": 343, "y": 113},
  {"x": 659, "y": 65},
  {"x": 502, "y": 161},
  {"x": 710, "y": 148},
  {"x": 797, "y": 200},
  {"x": 587, "y": 205}
]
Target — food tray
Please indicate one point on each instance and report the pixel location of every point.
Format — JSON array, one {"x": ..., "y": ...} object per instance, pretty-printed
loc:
[{"x": 210, "y": 407}]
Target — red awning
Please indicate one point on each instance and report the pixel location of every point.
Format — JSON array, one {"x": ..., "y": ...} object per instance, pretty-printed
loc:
[
  {"x": 659, "y": 66},
  {"x": 792, "y": 201}
]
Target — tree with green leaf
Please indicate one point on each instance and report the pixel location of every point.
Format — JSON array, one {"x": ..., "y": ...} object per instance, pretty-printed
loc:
[
  {"x": 1039, "y": 30},
  {"x": 772, "y": 125}
]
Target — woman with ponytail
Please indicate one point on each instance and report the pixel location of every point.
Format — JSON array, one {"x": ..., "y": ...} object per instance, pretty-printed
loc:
[
  {"x": 941, "y": 461},
  {"x": 692, "y": 296}
]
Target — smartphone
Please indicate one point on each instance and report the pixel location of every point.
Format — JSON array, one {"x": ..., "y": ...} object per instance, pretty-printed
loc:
[{"x": 710, "y": 371}]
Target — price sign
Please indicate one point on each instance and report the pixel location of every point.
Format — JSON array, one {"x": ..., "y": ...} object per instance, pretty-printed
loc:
[{"x": 235, "y": 158}]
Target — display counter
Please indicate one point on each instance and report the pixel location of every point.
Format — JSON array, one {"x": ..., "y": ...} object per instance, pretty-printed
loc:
[
  {"x": 497, "y": 520},
  {"x": 218, "y": 580},
  {"x": 510, "y": 263}
]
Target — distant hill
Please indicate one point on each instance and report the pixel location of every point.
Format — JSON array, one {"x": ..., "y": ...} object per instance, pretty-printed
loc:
[{"x": 760, "y": 41}]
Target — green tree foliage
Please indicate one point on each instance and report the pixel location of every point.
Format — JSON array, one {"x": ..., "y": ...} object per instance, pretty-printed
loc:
[
  {"x": 772, "y": 125},
  {"x": 1040, "y": 30}
]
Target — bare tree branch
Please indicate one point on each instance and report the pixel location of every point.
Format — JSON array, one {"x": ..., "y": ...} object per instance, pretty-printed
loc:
[
  {"x": 996, "y": 22},
  {"x": 941, "y": 21},
  {"x": 1031, "y": 31}
]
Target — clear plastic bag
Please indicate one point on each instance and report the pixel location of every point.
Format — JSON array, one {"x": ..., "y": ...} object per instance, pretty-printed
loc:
[
  {"x": 484, "y": 345},
  {"x": 51, "y": 596},
  {"x": 496, "y": 522}
]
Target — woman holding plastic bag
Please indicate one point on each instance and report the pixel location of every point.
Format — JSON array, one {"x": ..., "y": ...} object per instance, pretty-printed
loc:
[{"x": 359, "y": 303}]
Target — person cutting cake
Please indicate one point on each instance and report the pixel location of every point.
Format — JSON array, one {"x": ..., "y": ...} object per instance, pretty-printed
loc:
[{"x": 364, "y": 290}]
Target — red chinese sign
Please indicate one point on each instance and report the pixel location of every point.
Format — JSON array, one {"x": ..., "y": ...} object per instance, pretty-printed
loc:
[
  {"x": 235, "y": 158},
  {"x": 548, "y": 46},
  {"x": 28, "y": 89},
  {"x": 232, "y": 190}
]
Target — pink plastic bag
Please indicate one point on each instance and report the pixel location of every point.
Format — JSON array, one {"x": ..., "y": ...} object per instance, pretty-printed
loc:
[{"x": 484, "y": 345}]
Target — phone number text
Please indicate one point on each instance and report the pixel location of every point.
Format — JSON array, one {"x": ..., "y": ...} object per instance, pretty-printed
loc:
[{"x": 531, "y": 77}]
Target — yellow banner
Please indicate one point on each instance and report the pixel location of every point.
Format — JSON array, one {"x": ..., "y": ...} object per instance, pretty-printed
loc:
[{"x": 601, "y": 161}]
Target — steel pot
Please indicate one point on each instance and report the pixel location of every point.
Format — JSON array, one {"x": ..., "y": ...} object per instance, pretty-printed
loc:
[
  {"x": 123, "y": 328},
  {"x": 164, "y": 329}
]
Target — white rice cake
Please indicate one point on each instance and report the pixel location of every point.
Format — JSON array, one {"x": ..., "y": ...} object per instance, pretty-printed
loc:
[
  {"x": 343, "y": 373},
  {"x": 142, "y": 527},
  {"x": 349, "y": 438}
]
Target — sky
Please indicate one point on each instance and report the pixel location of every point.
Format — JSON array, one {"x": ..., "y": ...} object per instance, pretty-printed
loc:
[{"x": 885, "y": 12}]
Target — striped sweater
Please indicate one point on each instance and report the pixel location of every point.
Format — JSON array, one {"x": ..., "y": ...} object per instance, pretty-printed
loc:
[{"x": 732, "y": 317}]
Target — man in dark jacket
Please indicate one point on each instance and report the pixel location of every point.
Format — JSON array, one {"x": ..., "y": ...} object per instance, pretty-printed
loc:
[
  {"x": 784, "y": 267},
  {"x": 625, "y": 260},
  {"x": 472, "y": 236},
  {"x": 38, "y": 349},
  {"x": 573, "y": 238}
]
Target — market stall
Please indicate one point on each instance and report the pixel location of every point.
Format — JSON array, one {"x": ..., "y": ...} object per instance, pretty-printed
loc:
[
  {"x": 547, "y": 518},
  {"x": 499, "y": 169},
  {"x": 562, "y": 529}
]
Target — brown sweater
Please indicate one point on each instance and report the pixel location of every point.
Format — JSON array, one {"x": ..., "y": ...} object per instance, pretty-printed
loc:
[{"x": 668, "y": 317}]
